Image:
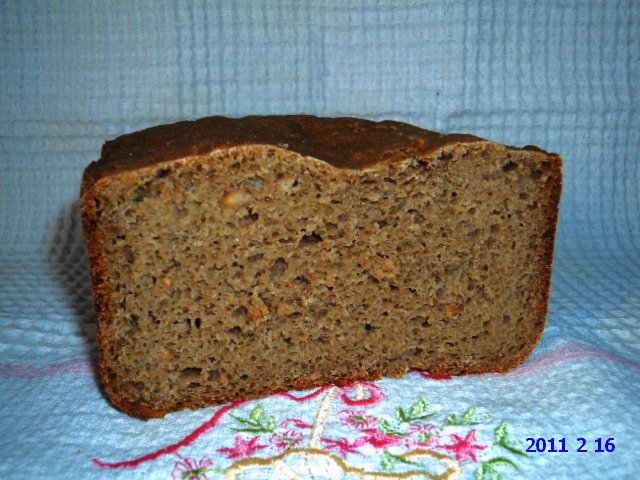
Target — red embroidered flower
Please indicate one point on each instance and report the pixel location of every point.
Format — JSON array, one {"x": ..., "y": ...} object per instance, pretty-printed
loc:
[
  {"x": 464, "y": 448},
  {"x": 381, "y": 440},
  {"x": 343, "y": 446},
  {"x": 191, "y": 469},
  {"x": 282, "y": 441},
  {"x": 242, "y": 448},
  {"x": 360, "y": 419}
]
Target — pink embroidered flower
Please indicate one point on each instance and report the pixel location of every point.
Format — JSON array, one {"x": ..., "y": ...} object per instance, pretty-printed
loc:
[
  {"x": 191, "y": 469},
  {"x": 343, "y": 446},
  {"x": 432, "y": 442},
  {"x": 297, "y": 422},
  {"x": 284, "y": 440},
  {"x": 420, "y": 427},
  {"x": 381, "y": 440},
  {"x": 360, "y": 419},
  {"x": 243, "y": 448},
  {"x": 464, "y": 448}
]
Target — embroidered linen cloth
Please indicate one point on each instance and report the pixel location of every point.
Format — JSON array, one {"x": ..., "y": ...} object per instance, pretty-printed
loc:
[{"x": 560, "y": 74}]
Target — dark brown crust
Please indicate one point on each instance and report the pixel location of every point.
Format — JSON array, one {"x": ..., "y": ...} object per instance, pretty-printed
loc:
[{"x": 341, "y": 142}]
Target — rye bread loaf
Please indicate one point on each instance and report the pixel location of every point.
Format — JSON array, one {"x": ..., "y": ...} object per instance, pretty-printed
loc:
[{"x": 235, "y": 258}]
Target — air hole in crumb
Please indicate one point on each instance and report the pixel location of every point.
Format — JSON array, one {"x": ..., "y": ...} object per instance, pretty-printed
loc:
[
  {"x": 133, "y": 319},
  {"x": 278, "y": 268},
  {"x": 240, "y": 311},
  {"x": 163, "y": 172},
  {"x": 139, "y": 385},
  {"x": 369, "y": 328},
  {"x": 509, "y": 166},
  {"x": 197, "y": 322},
  {"x": 287, "y": 340},
  {"x": 244, "y": 376},
  {"x": 194, "y": 385},
  {"x": 190, "y": 372},
  {"x": 236, "y": 330},
  {"x": 302, "y": 280},
  {"x": 454, "y": 194},
  {"x": 382, "y": 224},
  {"x": 311, "y": 239},
  {"x": 249, "y": 218}
]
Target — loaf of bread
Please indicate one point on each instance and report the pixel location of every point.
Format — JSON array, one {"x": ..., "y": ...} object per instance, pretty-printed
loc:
[{"x": 236, "y": 258}]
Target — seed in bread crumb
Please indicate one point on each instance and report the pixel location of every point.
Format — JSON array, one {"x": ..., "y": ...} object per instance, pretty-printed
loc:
[
  {"x": 257, "y": 311},
  {"x": 451, "y": 310},
  {"x": 236, "y": 199}
]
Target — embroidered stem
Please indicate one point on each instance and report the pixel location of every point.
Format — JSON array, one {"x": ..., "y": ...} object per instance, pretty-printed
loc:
[
  {"x": 321, "y": 419},
  {"x": 188, "y": 440}
]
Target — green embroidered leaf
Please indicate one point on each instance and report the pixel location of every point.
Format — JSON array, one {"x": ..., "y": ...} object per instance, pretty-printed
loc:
[
  {"x": 254, "y": 424},
  {"x": 387, "y": 463},
  {"x": 271, "y": 424},
  {"x": 419, "y": 408},
  {"x": 387, "y": 428},
  {"x": 502, "y": 431},
  {"x": 506, "y": 441},
  {"x": 242, "y": 421},
  {"x": 500, "y": 462},
  {"x": 468, "y": 418},
  {"x": 402, "y": 415},
  {"x": 195, "y": 474},
  {"x": 257, "y": 413},
  {"x": 252, "y": 430},
  {"x": 418, "y": 411},
  {"x": 487, "y": 473},
  {"x": 389, "y": 460}
]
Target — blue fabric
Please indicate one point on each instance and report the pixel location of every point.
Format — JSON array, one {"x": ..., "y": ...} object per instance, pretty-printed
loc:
[{"x": 559, "y": 74}]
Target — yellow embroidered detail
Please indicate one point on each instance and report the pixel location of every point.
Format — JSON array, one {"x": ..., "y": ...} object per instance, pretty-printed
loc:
[{"x": 304, "y": 463}]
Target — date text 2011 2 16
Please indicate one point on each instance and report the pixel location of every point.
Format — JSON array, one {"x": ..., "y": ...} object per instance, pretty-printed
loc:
[{"x": 559, "y": 445}]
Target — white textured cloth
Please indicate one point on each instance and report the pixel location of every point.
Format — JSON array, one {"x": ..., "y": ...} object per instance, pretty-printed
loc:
[{"x": 560, "y": 74}]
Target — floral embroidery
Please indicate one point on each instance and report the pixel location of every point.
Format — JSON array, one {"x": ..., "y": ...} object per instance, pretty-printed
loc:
[
  {"x": 243, "y": 448},
  {"x": 464, "y": 448},
  {"x": 281, "y": 441},
  {"x": 191, "y": 469},
  {"x": 360, "y": 419},
  {"x": 405, "y": 440},
  {"x": 343, "y": 446}
]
